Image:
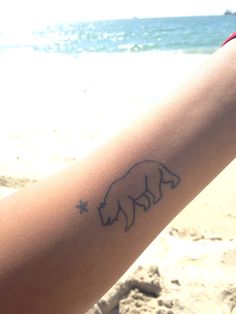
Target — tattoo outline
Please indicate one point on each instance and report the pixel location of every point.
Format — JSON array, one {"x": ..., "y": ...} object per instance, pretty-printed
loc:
[{"x": 145, "y": 194}]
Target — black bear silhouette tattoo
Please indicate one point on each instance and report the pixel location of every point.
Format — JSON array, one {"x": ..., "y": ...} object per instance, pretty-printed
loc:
[{"x": 142, "y": 184}]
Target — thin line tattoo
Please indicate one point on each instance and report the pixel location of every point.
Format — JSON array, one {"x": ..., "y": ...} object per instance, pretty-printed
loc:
[{"x": 141, "y": 186}]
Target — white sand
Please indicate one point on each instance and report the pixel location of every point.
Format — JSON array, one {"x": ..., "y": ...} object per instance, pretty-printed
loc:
[{"x": 61, "y": 108}]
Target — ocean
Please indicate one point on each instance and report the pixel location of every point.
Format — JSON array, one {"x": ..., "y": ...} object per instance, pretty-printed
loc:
[
  {"x": 199, "y": 34},
  {"x": 182, "y": 34},
  {"x": 66, "y": 88}
]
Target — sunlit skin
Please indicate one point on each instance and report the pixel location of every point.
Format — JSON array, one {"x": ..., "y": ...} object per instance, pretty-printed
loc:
[{"x": 60, "y": 253}]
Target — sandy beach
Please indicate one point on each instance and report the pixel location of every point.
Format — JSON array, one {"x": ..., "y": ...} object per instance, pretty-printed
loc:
[{"x": 48, "y": 124}]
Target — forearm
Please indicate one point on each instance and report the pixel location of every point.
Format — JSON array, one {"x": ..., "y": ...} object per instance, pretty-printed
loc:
[{"x": 59, "y": 250}]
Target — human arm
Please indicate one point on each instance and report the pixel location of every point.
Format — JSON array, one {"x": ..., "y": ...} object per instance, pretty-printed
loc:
[{"x": 58, "y": 255}]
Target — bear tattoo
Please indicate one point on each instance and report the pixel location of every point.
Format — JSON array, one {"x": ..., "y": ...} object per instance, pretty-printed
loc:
[{"x": 142, "y": 184}]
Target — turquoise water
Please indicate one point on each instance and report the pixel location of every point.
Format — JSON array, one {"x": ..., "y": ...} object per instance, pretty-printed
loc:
[{"x": 183, "y": 34}]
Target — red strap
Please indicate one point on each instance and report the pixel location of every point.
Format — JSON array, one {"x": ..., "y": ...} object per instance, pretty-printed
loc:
[{"x": 232, "y": 36}]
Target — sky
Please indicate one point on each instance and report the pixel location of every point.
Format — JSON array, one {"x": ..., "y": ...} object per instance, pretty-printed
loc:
[{"x": 38, "y": 12}]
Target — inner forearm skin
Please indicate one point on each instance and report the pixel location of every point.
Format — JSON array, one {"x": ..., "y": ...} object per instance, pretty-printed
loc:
[{"x": 66, "y": 240}]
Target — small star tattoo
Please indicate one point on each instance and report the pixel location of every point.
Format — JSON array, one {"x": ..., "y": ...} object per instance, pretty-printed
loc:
[{"x": 82, "y": 207}]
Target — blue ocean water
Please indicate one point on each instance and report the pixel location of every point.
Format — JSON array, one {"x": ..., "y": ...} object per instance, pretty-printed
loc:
[{"x": 201, "y": 34}]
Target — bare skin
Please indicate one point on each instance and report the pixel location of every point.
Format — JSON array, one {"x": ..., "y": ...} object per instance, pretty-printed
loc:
[{"x": 62, "y": 248}]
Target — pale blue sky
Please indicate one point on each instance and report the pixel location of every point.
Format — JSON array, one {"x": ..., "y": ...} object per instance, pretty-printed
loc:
[{"x": 35, "y": 12}]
